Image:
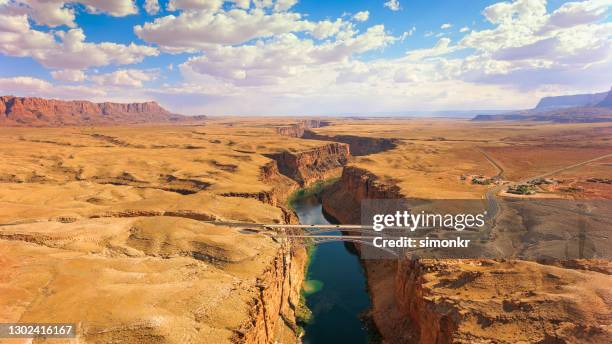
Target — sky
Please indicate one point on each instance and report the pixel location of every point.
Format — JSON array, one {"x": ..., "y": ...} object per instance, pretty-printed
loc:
[{"x": 290, "y": 57}]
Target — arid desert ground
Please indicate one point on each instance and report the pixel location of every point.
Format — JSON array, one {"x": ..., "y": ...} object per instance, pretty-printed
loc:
[{"x": 113, "y": 228}]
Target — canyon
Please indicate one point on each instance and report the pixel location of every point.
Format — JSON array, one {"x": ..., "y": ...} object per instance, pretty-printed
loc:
[
  {"x": 110, "y": 228},
  {"x": 469, "y": 300}
]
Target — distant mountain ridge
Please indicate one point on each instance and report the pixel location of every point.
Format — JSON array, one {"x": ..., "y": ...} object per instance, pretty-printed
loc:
[
  {"x": 579, "y": 108},
  {"x": 576, "y": 100},
  {"x": 40, "y": 112}
]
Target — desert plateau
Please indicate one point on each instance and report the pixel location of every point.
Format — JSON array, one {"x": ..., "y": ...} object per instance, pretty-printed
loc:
[{"x": 120, "y": 229}]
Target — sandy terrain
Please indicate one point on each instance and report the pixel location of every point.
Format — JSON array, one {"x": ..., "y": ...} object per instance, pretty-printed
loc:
[{"x": 104, "y": 226}]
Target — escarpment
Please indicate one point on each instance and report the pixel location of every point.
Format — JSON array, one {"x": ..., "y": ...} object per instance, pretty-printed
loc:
[
  {"x": 309, "y": 166},
  {"x": 487, "y": 301},
  {"x": 40, "y": 112},
  {"x": 360, "y": 145},
  {"x": 298, "y": 129},
  {"x": 272, "y": 312},
  {"x": 343, "y": 199}
]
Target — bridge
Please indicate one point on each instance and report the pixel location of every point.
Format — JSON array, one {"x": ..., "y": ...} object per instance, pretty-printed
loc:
[{"x": 319, "y": 233}]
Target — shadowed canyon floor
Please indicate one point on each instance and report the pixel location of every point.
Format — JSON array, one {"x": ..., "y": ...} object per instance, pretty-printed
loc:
[{"x": 99, "y": 226}]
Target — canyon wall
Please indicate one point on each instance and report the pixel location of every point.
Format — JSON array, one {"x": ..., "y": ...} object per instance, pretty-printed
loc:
[
  {"x": 297, "y": 129},
  {"x": 343, "y": 199},
  {"x": 359, "y": 145},
  {"x": 467, "y": 301},
  {"x": 32, "y": 111},
  {"x": 272, "y": 313},
  {"x": 307, "y": 167}
]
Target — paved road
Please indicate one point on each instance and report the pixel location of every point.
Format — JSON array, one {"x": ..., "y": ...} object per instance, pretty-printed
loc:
[{"x": 493, "y": 207}]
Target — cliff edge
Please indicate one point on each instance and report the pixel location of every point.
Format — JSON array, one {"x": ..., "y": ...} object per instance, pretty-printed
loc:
[{"x": 41, "y": 112}]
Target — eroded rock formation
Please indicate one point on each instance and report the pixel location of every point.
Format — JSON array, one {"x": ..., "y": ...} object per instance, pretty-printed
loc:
[
  {"x": 360, "y": 145},
  {"x": 32, "y": 111},
  {"x": 472, "y": 301},
  {"x": 306, "y": 167},
  {"x": 297, "y": 130}
]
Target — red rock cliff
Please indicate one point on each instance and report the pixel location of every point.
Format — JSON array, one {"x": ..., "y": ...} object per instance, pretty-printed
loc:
[
  {"x": 298, "y": 129},
  {"x": 30, "y": 111},
  {"x": 307, "y": 167}
]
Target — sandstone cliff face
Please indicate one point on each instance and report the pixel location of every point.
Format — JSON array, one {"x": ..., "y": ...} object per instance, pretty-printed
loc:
[
  {"x": 272, "y": 314},
  {"x": 307, "y": 167},
  {"x": 30, "y": 111},
  {"x": 486, "y": 301},
  {"x": 472, "y": 301},
  {"x": 360, "y": 145},
  {"x": 297, "y": 130},
  {"x": 343, "y": 199}
]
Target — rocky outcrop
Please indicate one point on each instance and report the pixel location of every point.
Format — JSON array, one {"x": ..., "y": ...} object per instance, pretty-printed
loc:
[
  {"x": 307, "y": 167},
  {"x": 31, "y": 111},
  {"x": 360, "y": 145},
  {"x": 297, "y": 130},
  {"x": 487, "y": 301}
]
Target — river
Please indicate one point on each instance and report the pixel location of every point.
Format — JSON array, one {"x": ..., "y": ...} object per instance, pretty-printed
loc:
[{"x": 335, "y": 287}]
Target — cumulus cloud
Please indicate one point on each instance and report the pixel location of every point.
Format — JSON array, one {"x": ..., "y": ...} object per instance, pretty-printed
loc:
[
  {"x": 576, "y": 13},
  {"x": 60, "y": 12},
  {"x": 393, "y": 5},
  {"x": 285, "y": 57},
  {"x": 361, "y": 16},
  {"x": 261, "y": 57},
  {"x": 125, "y": 77},
  {"x": 442, "y": 47},
  {"x": 194, "y": 30},
  {"x": 64, "y": 49},
  {"x": 446, "y": 26},
  {"x": 284, "y": 5},
  {"x": 151, "y": 6},
  {"x": 28, "y": 86},
  {"x": 71, "y": 75}
]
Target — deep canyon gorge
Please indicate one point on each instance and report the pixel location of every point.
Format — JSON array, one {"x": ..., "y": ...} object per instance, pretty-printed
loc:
[{"x": 115, "y": 217}]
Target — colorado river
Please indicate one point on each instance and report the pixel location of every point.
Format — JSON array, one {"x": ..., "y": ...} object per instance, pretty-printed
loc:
[{"x": 335, "y": 287}]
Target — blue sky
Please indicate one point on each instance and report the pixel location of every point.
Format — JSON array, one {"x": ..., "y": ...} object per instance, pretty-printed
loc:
[{"x": 296, "y": 57}]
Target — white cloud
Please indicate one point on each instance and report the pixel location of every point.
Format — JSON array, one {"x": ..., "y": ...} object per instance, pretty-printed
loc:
[
  {"x": 28, "y": 86},
  {"x": 71, "y": 75},
  {"x": 174, "y": 5},
  {"x": 259, "y": 57},
  {"x": 393, "y": 5},
  {"x": 285, "y": 57},
  {"x": 408, "y": 33},
  {"x": 361, "y": 16},
  {"x": 194, "y": 30},
  {"x": 442, "y": 47},
  {"x": 64, "y": 49},
  {"x": 284, "y": 5},
  {"x": 446, "y": 26},
  {"x": 576, "y": 13},
  {"x": 151, "y": 6},
  {"x": 59, "y": 12},
  {"x": 124, "y": 77}
]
